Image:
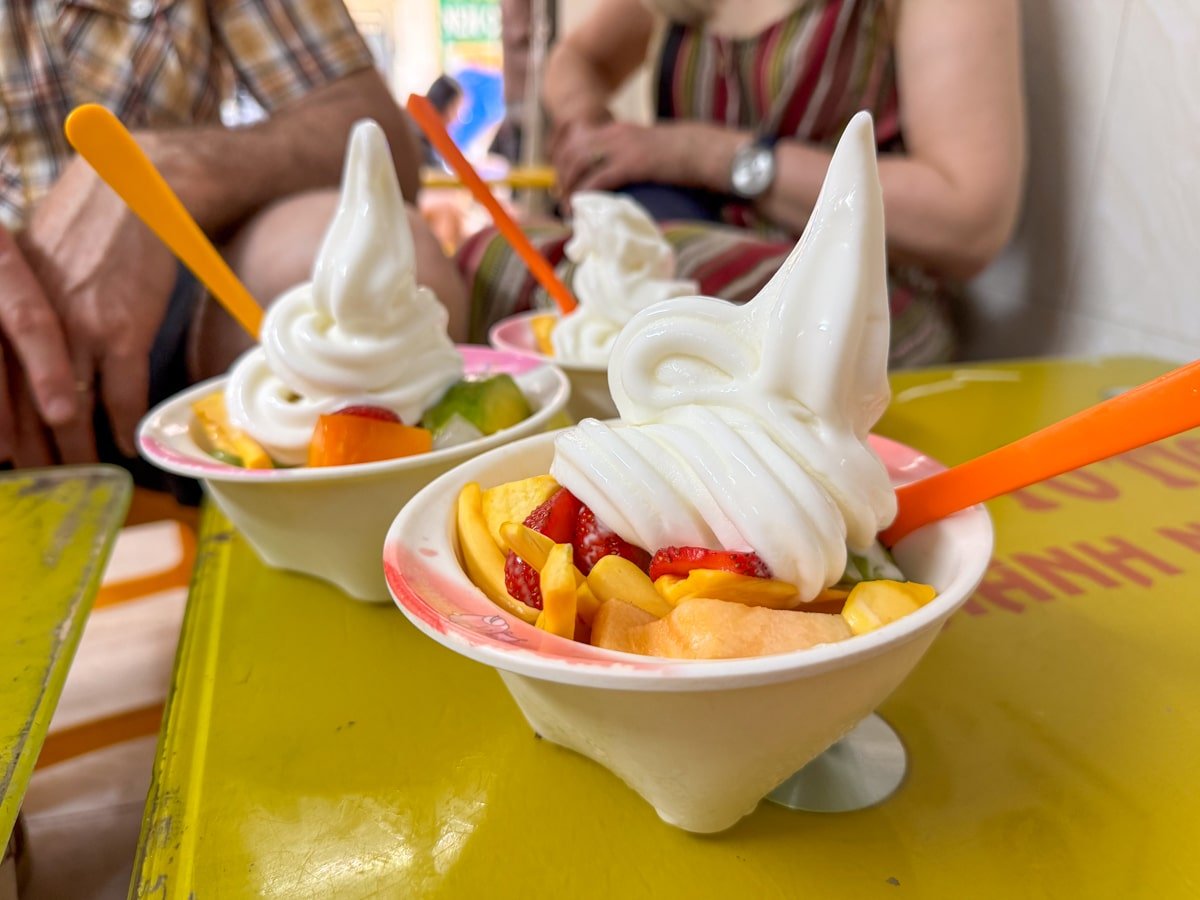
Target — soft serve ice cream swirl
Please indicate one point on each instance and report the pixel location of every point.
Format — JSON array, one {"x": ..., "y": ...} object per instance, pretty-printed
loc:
[
  {"x": 361, "y": 332},
  {"x": 745, "y": 428},
  {"x": 623, "y": 266}
]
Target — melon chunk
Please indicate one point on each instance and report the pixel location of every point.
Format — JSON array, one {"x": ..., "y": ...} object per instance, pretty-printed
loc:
[
  {"x": 719, "y": 629},
  {"x": 613, "y": 623}
]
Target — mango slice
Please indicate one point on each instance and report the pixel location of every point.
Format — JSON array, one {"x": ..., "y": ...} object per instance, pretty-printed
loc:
[
  {"x": 616, "y": 578},
  {"x": 714, "y": 584},
  {"x": 541, "y": 327},
  {"x": 514, "y": 501},
  {"x": 214, "y": 434},
  {"x": 558, "y": 593},
  {"x": 534, "y": 548},
  {"x": 873, "y": 604},
  {"x": 482, "y": 557}
]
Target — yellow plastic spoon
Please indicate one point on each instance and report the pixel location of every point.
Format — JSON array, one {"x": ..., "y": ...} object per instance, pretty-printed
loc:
[{"x": 100, "y": 138}]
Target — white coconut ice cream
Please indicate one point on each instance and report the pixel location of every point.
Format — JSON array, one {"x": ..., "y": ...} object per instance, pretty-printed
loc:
[
  {"x": 361, "y": 332},
  {"x": 744, "y": 428}
]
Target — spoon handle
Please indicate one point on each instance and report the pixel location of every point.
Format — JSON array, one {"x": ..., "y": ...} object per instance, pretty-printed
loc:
[
  {"x": 100, "y": 138},
  {"x": 1157, "y": 409}
]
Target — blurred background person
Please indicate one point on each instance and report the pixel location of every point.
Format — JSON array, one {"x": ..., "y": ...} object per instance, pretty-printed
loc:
[
  {"x": 749, "y": 99},
  {"x": 446, "y": 96}
]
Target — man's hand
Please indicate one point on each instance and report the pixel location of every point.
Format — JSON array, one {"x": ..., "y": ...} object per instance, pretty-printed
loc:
[
  {"x": 36, "y": 384},
  {"x": 109, "y": 279}
]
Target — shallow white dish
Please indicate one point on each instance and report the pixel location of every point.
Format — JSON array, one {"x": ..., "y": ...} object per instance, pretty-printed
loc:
[
  {"x": 702, "y": 741},
  {"x": 590, "y": 397},
  {"x": 330, "y": 522}
]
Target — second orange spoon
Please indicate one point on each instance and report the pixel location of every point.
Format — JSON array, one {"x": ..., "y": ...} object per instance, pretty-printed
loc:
[{"x": 1157, "y": 409}]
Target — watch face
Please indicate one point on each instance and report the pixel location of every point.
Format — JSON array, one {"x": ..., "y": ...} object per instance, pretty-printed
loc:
[{"x": 753, "y": 170}]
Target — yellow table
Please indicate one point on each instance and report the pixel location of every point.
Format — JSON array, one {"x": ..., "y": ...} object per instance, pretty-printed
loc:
[
  {"x": 56, "y": 530},
  {"x": 314, "y": 747}
]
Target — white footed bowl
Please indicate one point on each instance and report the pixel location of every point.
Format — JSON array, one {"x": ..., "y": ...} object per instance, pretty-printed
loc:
[
  {"x": 701, "y": 740},
  {"x": 330, "y": 521},
  {"x": 590, "y": 397}
]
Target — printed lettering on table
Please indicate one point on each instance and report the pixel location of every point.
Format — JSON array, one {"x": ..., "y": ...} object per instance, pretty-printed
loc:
[{"x": 1128, "y": 524}]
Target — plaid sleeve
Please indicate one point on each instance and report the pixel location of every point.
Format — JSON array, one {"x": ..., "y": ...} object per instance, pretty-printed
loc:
[{"x": 282, "y": 49}]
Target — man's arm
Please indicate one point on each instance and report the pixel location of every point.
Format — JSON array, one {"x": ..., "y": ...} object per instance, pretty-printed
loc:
[{"x": 223, "y": 176}]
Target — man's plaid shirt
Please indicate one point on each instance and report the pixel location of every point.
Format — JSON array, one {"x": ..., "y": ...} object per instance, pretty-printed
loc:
[{"x": 156, "y": 64}]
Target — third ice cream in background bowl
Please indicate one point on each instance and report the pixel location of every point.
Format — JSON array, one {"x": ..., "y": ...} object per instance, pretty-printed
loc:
[{"x": 623, "y": 264}]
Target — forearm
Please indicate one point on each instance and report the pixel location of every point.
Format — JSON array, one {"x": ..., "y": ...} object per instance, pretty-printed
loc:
[
  {"x": 930, "y": 221},
  {"x": 224, "y": 175},
  {"x": 573, "y": 90}
]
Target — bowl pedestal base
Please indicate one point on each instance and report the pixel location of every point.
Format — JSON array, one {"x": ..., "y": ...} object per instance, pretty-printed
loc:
[{"x": 863, "y": 769}]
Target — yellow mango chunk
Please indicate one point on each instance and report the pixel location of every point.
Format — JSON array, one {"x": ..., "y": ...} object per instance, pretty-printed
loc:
[
  {"x": 586, "y": 604},
  {"x": 718, "y": 629},
  {"x": 482, "y": 557},
  {"x": 534, "y": 548},
  {"x": 514, "y": 501},
  {"x": 714, "y": 584},
  {"x": 557, "y": 582},
  {"x": 214, "y": 434},
  {"x": 873, "y": 604},
  {"x": 616, "y": 578},
  {"x": 614, "y": 623},
  {"x": 541, "y": 327}
]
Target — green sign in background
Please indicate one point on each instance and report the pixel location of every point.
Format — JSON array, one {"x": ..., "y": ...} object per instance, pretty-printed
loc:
[{"x": 468, "y": 21}]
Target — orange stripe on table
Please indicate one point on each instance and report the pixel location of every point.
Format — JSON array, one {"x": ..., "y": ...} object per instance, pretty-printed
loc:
[
  {"x": 155, "y": 582},
  {"x": 71, "y": 742}
]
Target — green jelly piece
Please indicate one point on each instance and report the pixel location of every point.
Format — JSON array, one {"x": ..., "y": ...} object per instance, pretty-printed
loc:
[
  {"x": 226, "y": 457},
  {"x": 489, "y": 404}
]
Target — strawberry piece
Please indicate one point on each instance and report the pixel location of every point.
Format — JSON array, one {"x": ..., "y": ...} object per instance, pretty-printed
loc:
[
  {"x": 556, "y": 520},
  {"x": 369, "y": 412},
  {"x": 681, "y": 560},
  {"x": 556, "y": 517},
  {"x": 593, "y": 542}
]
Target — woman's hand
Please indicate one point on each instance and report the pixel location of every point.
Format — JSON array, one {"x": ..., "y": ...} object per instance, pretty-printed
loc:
[
  {"x": 108, "y": 279},
  {"x": 611, "y": 155}
]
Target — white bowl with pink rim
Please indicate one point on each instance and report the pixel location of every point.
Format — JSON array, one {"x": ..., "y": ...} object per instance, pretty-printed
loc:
[
  {"x": 590, "y": 397},
  {"x": 330, "y": 521},
  {"x": 701, "y": 740}
]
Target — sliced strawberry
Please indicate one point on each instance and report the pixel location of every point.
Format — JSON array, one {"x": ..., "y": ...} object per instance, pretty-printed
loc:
[
  {"x": 681, "y": 560},
  {"x": 522, "y": 581},
  {"x": 593, "y": 542},
  {"x": 556, "y": 520},
  {"x": 556, "y": 517},
  {"x": 369, "y": 412}
]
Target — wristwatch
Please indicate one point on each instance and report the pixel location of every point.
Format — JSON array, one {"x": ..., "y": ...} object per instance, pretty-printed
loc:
[{"x": 753, "y": 167}]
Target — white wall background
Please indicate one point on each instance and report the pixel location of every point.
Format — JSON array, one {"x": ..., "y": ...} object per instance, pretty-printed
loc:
[{"x": 1107, "y": 257}]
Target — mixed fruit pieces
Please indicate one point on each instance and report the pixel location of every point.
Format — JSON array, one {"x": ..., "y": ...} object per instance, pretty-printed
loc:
[
  {"x": 470, "y": 409},
  {"x": 542, "y": 327},
  {"x": 541, "y": 555}
]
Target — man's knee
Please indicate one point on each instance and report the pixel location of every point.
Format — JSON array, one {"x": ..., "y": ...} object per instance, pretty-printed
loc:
[{"x": 275, "y": 250}]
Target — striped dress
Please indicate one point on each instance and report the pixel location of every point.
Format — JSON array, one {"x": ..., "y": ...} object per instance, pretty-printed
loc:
[{"x": 802, "y": 77}]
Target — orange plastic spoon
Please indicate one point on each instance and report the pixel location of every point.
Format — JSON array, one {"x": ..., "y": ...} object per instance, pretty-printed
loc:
[
  {"x": 1158, "y": 409},
  {"x": 426, "y": 117},
  {"x": 100, "y": 138}
]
